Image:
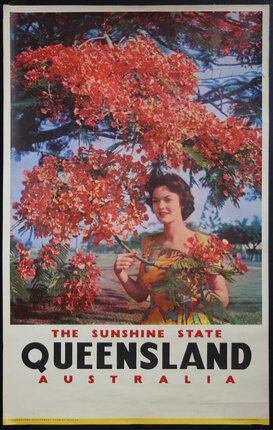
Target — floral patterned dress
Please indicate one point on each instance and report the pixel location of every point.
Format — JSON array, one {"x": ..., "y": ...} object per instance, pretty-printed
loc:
[{"x": 162, "y": 310}]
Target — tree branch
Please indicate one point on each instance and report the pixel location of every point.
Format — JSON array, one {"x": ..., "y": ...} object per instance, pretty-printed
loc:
[
  {"x": 43, "y": 136},
  {"x": 105, "y": 36},
  {"x": 225, "y": 64},
  {"x": 67, "y": 130},
  {"x": 239, "y": 90},
  {"x": 143, "y": 260},
  {"x": 108, "y": 40},
  {"x": 208, "y": 101}
]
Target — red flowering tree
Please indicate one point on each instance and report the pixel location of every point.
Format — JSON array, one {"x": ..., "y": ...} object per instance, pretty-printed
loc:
[
  {"x": 147, "y": 99},
  {"x": 205, "y": 37}
]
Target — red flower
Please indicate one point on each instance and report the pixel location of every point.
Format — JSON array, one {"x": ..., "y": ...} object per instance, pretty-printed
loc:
[
  {"x": 26, "y": 264},
  {"x": 80, "y": 288}
]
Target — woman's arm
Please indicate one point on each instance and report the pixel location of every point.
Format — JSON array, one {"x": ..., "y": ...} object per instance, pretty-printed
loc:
[
  {"x": 135, "y": 289},
  {"x": 218, "y": 286}
]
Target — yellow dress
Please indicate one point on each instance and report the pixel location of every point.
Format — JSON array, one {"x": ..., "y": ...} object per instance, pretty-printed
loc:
[{"x": 162, "y": 310}]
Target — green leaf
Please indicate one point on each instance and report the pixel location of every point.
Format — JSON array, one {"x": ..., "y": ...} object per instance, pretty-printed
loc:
[
  {"x": 197, "y": 157},
  {"x": 55, "y": 288},
  {"x": 18, "y": 287},
  {"x": 62, "y": 258},
  {"x": 171, "y": 87},
  {"x": 24, "y": 103},
  {"x": 169, "y": 252},
  {"x": 185, "y": 264}
]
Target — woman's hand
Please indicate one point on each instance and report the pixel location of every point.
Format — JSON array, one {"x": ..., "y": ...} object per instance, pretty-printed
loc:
[
  {"x": 219, "y": 288},
  {"x": 124, "y": 262},
  {"x": 134, "y": 288}
]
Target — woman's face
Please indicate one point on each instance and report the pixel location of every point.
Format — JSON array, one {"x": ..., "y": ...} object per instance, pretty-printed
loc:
[{"x": 166, "y": 205}]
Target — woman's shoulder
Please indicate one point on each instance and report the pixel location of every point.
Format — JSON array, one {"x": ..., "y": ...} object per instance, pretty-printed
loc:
[{"x": 202, "y": 237}]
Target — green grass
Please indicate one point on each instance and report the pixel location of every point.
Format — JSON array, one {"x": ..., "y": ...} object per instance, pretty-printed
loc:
[
  {"x": 246, "y": 297},
  {"x": 114, "y": 306}
]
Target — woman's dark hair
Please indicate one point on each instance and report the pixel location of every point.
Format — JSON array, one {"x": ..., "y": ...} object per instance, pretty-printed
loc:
[{"x": 176, "y": 185}]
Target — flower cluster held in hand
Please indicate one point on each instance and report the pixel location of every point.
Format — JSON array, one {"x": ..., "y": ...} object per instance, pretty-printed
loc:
[
  {"x": 214, "y": 255},
  {"x": 191, "y": 272}
]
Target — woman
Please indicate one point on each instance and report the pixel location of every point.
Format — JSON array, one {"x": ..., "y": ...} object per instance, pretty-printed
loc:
[{"x": 172, "y": 202}]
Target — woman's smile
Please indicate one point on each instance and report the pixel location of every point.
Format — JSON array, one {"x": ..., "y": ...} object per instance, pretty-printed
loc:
[{"x": 166, "y": 204}]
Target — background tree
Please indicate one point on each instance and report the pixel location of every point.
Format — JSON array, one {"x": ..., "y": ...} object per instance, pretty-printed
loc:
[{"x": 242, "y": 233}]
